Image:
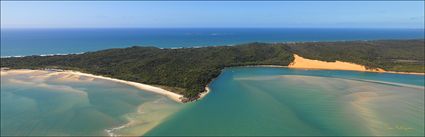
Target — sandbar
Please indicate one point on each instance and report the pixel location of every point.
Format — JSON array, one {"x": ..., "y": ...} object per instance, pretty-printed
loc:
[{"x": 72, "y": 75}]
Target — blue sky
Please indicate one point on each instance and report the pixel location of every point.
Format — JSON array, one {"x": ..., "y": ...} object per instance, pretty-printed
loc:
[{"x": 210, "y": 14}]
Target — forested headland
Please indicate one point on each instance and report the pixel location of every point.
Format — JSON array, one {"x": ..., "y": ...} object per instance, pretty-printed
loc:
[{"x": 188, "y": 70}]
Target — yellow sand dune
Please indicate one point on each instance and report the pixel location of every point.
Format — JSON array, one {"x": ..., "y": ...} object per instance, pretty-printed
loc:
[{"x": 300, "y": 62}]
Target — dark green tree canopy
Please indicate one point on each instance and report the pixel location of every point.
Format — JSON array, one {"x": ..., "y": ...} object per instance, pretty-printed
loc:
[{"x": 188, "y": 70}]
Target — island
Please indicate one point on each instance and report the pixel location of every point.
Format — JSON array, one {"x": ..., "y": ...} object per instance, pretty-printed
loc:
[{"x": 188, "y": 71}]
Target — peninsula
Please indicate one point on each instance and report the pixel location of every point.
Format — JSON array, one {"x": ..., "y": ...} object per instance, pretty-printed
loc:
[{"x": 187, "y": 71}]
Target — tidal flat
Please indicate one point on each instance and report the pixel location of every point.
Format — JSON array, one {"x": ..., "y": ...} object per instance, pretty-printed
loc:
[
  {"x": 285, "y": 102},
  {"x": 38, "y": 103},
  {"x": 242, "y": 101}
]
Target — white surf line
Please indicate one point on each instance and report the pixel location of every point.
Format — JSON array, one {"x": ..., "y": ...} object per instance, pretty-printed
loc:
[{"x": 43, "y": 55}]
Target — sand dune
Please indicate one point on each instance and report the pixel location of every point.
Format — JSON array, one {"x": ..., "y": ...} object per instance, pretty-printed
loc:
[
  {"x": 303, "y": 63},
  {"x": 300, "y": 62}
]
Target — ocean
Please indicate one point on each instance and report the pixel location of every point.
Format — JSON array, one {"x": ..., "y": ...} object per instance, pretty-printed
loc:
[
  {"x": 243, "y": 101},
  {"x": 24, "y": 42}
]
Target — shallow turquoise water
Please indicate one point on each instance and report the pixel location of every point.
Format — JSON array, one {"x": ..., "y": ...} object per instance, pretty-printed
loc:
[
  {"x": 243, "y": 101},
  {"x": 32, "y": 104},
  {"x": 279, "y": 101}
]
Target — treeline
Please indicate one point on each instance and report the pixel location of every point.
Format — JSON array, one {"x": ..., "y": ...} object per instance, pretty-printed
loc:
[
  {"x": 188, "y": 70},
  {"x": 391, "y": 55}
]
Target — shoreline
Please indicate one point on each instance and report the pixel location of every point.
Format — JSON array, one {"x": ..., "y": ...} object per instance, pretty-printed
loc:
[
  {"x": 207, "y": 88},
  {"x": 310, "y": 64},
  {"x": 145, "y": 87},
  {"x": 76, "y": 75},
  {"x": 298, "y": 63},
  {"x": 203, "y": 46},
  {"x": 391, "y": 72},
  {"x": 205, "y": 93}
]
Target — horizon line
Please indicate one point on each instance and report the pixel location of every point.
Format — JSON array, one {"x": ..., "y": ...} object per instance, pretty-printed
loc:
[{"x": 212, "y": 28}]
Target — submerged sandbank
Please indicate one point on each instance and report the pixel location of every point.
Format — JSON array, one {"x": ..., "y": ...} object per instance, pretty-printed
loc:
[
  {"x": 70, "y": 75},
  {"x": 303, "y": 63},
  {"x": 73, "y": 102},
  {"x": 263, "y": 101}
]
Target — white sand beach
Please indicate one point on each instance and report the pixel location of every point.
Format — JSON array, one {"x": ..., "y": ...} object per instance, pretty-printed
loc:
[
  {"x": 75, "y": 75},
  {"x": 203, "y": 94}
]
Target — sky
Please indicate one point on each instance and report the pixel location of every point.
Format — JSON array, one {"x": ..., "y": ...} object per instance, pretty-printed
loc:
[{"x": 212, "y": 14}]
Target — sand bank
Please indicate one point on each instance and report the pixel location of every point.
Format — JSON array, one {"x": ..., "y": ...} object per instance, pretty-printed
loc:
[
  {"x": 73, "y": 75},
  {"x": 300, "y": 62},
  {"x": 203, "y": 94},
  {"x": 303, "y": 63}
]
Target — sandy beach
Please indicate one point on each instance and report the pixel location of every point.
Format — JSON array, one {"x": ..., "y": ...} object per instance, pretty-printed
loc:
[
  {"x": 75, "y": 75},
  {"x": 303, "y": 63},
  {"x": 203, "y": 94},
  {"x": 300, "y": 62}
]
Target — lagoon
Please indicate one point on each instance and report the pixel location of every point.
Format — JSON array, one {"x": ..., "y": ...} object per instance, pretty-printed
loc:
[
  {"x": 243, "y": 101},
  {"x": 40, "y": 104},
  {"x": 279, "y": 101}
]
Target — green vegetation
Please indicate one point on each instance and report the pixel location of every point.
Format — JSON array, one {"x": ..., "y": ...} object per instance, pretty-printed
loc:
[
  {"x": 188, "y": 70},
  {"x": 391, "y": 55}
]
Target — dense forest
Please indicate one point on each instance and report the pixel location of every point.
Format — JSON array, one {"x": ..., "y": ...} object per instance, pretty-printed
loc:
[{"x": 188, "y": 70}]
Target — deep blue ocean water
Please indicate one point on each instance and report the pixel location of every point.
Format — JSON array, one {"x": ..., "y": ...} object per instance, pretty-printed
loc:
[
  {"x": 23, "y": 42},
  {"x": 244, "y": 100}
]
